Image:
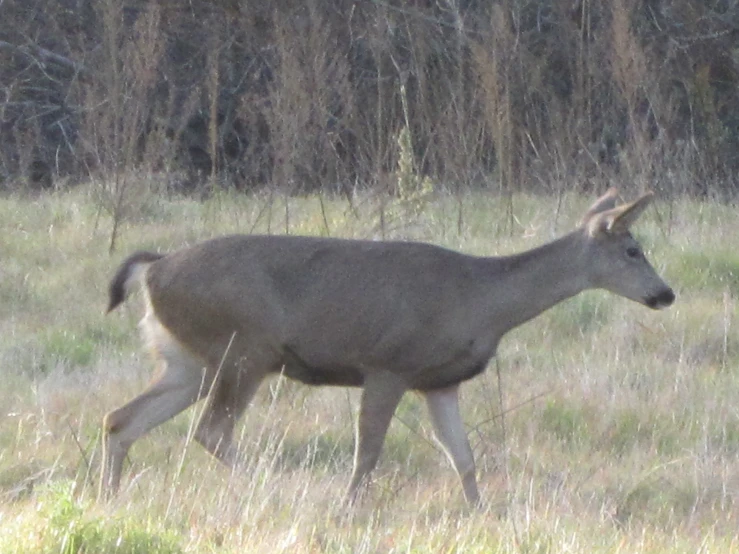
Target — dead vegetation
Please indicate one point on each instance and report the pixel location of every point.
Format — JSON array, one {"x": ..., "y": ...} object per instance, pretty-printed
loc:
[{"x": 509, "y": 95}]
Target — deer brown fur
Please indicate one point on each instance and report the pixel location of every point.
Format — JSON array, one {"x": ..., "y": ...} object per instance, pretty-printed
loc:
[{"x": 389, "y": 317}]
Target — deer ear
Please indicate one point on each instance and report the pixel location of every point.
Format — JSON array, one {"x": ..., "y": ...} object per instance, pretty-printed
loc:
[
  {"x": 629, "y": 213},
  {"x": 618, "y": 220},
  {"x": 605, "y": 202}
]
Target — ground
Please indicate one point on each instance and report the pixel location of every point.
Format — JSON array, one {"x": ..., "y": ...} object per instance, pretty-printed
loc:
[{"x": 619, "y": 429}]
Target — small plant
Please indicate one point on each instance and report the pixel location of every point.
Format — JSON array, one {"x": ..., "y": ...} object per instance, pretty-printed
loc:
[
  {"x": 61, "y": 524},
  {"x": 118, "y": 110},
  {"x": 566, "y": 421},
  {"x": 413, "y": 190},
  {"x": 77, "y": 350}
]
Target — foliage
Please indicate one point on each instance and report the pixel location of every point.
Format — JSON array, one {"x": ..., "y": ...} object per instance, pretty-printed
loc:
[
  {"x": 61, "y": 524},
  {"x": 515, "y": 94}
]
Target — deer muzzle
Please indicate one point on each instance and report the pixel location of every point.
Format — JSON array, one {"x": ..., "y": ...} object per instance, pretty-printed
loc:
[{"x": 661, "y": 300}]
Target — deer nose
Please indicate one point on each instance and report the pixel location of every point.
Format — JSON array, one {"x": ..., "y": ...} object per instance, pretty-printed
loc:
[{"x": 661, "y": 300}]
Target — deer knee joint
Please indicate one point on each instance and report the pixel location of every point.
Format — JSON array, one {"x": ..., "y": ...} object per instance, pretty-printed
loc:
[{"x": 111, "y": 423}]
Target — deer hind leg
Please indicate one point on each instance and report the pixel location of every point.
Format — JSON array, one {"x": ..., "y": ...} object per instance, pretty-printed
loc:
[
  {"x": 443, "y": 405},
  {"x": 380, "y": 397},
  {"x": 228, "y": 398},
  {"x": 181, "y": 383}
]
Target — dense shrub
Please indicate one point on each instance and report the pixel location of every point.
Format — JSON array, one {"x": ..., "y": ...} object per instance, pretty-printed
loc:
[{"x": 314, "y": 95}]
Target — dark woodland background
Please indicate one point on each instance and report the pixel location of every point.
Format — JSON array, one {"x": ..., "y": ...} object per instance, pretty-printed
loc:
[{"x": 318, "y": 95}]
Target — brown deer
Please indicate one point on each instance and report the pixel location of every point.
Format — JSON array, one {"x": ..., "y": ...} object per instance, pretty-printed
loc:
[{"x": 389, "y": 317}]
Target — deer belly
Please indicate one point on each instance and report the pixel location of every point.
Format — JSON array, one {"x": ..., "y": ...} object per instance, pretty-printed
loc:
[
  {"x": 296, "y": 368},
  {"x": 442, "y": 377},
  {"x": 467, "y": 364}
]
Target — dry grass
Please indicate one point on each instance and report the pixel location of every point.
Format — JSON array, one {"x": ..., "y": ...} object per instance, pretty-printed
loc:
[{"x": 621, "y": 425}]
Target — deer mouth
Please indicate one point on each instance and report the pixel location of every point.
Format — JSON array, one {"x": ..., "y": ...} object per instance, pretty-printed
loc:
[{"x": 661, "y": 300}]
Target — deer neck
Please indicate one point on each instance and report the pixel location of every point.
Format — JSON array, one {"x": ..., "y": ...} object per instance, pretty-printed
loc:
[{"x": 524, "y": 285}]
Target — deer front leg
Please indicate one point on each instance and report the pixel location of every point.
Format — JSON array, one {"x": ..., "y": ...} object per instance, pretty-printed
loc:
[
  {"x": 380, "y": 396},
  {"x": 443, "y": 405}
]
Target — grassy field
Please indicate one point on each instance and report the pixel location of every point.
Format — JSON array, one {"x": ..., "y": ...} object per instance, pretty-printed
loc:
[{"x": 621, "y": 424}]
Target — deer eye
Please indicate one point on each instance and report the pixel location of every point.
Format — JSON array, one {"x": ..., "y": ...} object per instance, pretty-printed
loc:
[{"x": 633, "y": 252}]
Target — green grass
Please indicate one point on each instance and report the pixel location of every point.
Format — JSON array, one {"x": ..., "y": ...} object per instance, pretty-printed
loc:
[
  {"x": 621, "y": 429},
  {"x": 62, "y": 524}
]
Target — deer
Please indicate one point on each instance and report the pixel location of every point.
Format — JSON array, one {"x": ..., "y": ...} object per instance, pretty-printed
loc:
[{"x": 225, "y": 314}]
